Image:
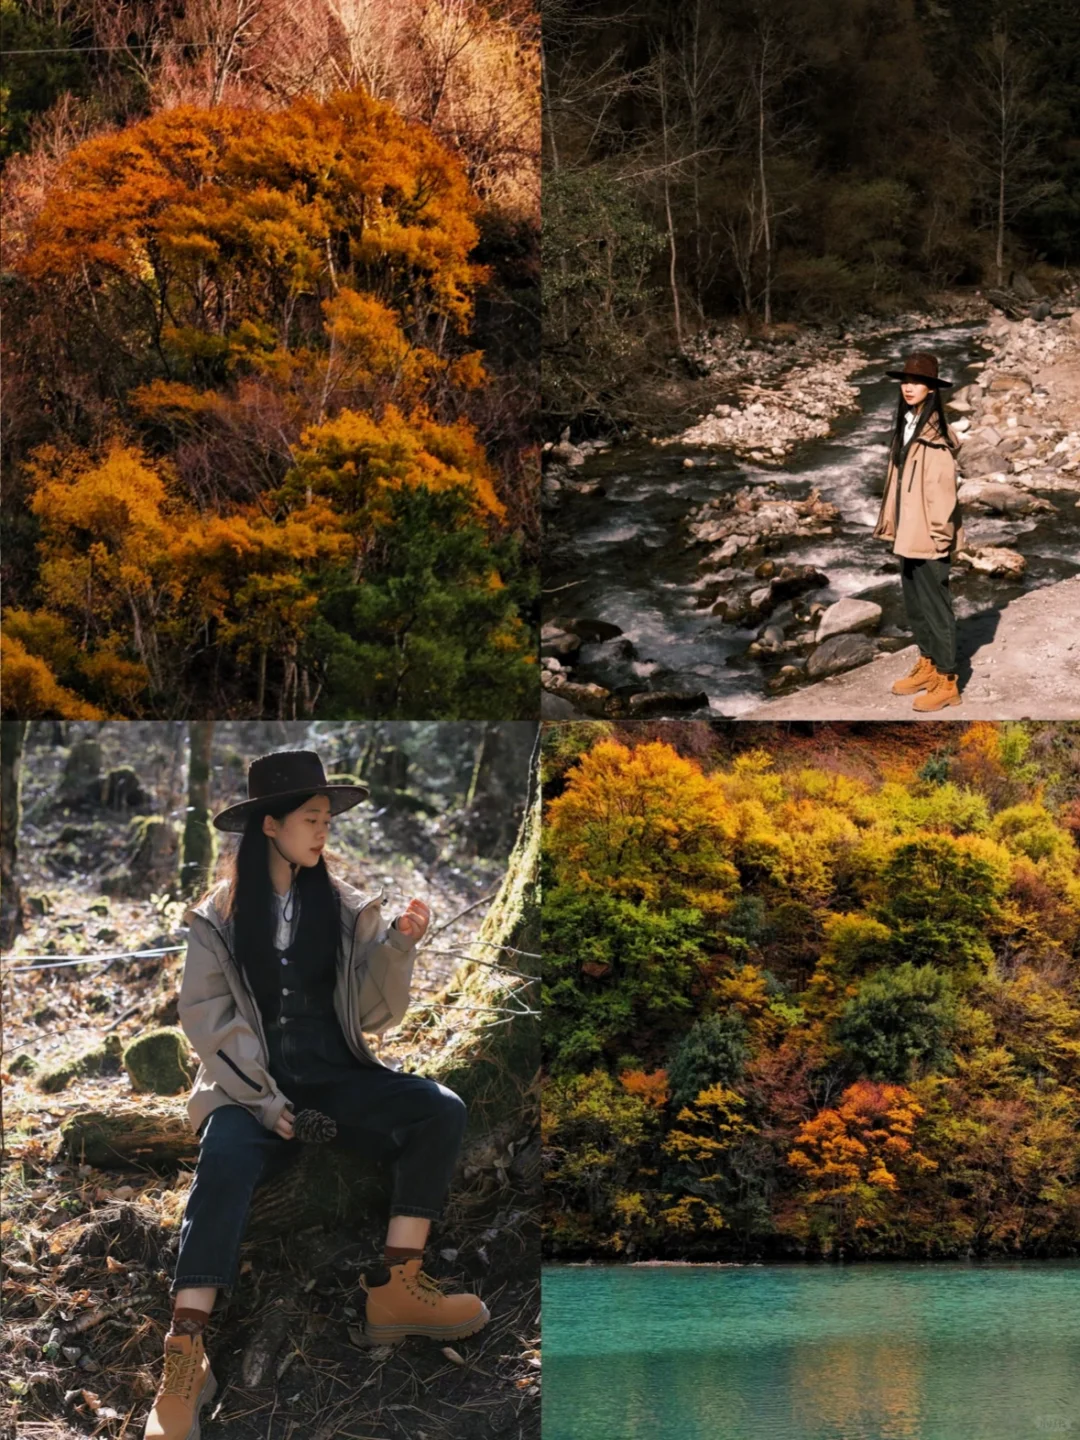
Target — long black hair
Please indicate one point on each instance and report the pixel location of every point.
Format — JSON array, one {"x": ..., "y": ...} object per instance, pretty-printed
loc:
[
  {"x": 249, "y": 901},
  {"x": 931, "y": 412}
]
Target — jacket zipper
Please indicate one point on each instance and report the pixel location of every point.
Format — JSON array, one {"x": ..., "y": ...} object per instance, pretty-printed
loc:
[{"x": 233, "y": 1066}]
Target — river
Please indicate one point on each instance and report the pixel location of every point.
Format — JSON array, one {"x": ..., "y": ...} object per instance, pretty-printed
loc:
[
  {"x": 623, "y": 559},
  {"x": 965, "y": 1351}
]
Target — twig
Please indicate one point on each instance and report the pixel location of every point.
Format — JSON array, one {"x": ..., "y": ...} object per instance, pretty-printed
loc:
[{"x": 475, "y": 904}]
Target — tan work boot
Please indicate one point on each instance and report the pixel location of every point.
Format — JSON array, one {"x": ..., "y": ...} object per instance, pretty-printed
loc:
[
  {"x": 941, "y": 691},
  {"x": 412, "y": 1303},
  {"x": 188, "y": 1383},
  {"x": 916, "y": 679}
]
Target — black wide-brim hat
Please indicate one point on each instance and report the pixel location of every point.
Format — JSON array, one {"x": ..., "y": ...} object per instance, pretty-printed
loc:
[
  {"x": 923, "y": 367},
  {"x": 287, "y": 775}
]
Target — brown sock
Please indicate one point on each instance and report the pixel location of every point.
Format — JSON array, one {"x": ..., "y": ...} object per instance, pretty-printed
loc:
[
  {"x": 188, "y": 1322},
  {"x": 394, "y": 1254}
]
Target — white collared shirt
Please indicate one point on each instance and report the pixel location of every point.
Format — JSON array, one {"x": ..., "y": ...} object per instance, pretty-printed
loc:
[
  {"x": 286, "y": 918},
  {"x": 911, "y": 419}
]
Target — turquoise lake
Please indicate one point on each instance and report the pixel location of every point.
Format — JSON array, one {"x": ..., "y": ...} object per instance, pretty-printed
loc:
[{"x": 801, "y": 1352}]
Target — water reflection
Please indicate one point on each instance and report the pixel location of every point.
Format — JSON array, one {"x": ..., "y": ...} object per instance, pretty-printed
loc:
[{"x": 902, "y": 1352}]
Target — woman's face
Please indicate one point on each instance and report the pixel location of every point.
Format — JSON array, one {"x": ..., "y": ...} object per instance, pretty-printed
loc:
[
  {"x": 914, "y": 392},
  {"x": 303, "y": 833}
]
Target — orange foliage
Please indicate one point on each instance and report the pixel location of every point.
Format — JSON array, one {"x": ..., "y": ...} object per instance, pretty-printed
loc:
[
  {"x": 652, "y": 1086},
  {"x": 845, "y": 1151},
  {"x": 229, "y": 211}
]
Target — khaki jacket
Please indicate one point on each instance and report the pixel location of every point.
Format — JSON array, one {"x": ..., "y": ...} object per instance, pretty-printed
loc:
[
  {"x": 225, "y": 1027},
  {"x": 930, "y": 525}
]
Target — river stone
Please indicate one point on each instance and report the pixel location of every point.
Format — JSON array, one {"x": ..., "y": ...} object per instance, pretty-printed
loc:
[
  {"x": 995, "y": 560},
  {"x": 985, "y": 462},
  {"x": 1004, "y": 499},
  {"x": 840, "y": 652},
  {"x": 556, "y": 707},
  {"x": 560, "y": 643},
  {"x": 795, "y": 579},
  {"x": 1017, "y": 384},
  {"x": 650, "y": 702},
  {"x": 847, "y": 616},
  {"x": 593, "y": 630}
]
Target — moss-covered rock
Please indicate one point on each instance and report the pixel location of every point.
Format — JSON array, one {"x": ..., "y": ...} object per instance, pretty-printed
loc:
[
  {"x": 38, "y": 904},
  {"x": 101, "y": 1060},
  {"x": 151, "y": 863},
  {"x": 160, "y": 1063},
  {"x": 23, "y": 1064}
]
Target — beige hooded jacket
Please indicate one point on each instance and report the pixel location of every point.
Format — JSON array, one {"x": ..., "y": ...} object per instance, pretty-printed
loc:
[
  {"x": 929, "y": 525},
  {"x": 225, "y": 1027}
]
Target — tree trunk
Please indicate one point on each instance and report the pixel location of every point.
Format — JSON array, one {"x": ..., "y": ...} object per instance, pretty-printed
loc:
[
  {"x": 198, "y": 857},
  {"x": 12, "y": 733},
  {"x": 492, "y": 1060}
]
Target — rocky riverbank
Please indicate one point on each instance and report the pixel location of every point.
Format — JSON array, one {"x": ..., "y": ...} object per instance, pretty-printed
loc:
[
  {"x": 1020, "y": 457},
  {"x": 1021, "y": 664},
  {"x": 784, "y": 386}
]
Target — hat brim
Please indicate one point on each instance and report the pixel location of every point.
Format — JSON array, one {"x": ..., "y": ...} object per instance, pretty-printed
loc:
[
  {"x": 342, "y": 797},
  {"x": 934, "y": 384}
]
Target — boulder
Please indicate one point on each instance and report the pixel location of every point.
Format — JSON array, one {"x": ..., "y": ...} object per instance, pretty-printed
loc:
[
  {"x": 160, "y": 1063},
  {"x": 848, "y": 616},
  {"x": 840, "y": 652}
]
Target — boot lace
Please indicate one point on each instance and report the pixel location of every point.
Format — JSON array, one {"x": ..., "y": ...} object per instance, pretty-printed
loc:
[
  {"x": 428, "y": 1283},
  {"x": 179, "y": 1373}
]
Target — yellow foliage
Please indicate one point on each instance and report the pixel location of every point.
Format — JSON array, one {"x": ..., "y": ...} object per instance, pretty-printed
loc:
[
  {"x": 643, "y": 823},
  {"x": 31, "y": 690}
]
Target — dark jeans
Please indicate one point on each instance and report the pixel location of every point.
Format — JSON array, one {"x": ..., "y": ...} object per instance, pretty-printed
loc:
[
  {"x": 928, "y": 604},
  {"x": 418, "y": 1121}
]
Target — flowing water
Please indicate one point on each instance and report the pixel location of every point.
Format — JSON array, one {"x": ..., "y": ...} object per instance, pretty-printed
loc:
[
  {"x": 622, "y": 556},
  {"x": 800, "y": 1352}
]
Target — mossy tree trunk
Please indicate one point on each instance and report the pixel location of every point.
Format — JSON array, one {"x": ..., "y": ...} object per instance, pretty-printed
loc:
[
  {"x": 12, "y": 733},
  {"x": 492, "y": 1061},
  {"x": 198, "y": 855}
]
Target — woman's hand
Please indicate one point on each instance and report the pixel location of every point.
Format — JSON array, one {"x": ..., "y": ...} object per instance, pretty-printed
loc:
[
  {"x": 415, "y": 920},
  {"x": 284, "y": 1126}
]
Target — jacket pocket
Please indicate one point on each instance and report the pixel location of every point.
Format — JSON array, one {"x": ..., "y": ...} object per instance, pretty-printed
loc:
[{"x": 246, "y": 1078}]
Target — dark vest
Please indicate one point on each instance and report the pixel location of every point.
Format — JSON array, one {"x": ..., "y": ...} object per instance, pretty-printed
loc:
[{"x": 302, "y": 1028}]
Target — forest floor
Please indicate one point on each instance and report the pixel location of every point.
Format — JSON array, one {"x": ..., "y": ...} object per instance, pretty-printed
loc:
[{"x": 89, "y": 1251}]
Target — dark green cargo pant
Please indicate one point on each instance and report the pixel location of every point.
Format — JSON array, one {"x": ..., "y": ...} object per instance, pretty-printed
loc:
[{"x": 929, "y": 610}]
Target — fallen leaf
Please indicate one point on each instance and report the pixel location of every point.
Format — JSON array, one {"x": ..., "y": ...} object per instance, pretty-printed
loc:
[{"x": 452, "y": 1354}]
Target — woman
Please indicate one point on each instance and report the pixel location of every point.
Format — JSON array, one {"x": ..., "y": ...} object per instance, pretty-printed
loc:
[
  {"x": 921, "y": 516},
  {"x": 286, "y": 967}
]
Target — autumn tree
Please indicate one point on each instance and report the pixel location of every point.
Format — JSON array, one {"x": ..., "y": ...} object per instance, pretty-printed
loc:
[
  {"x": 279, "y": 303},
  {"x": 852, "y": 1159}
]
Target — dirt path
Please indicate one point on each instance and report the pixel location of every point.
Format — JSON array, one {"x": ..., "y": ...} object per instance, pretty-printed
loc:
[{"x": 1022, "y": 662}]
